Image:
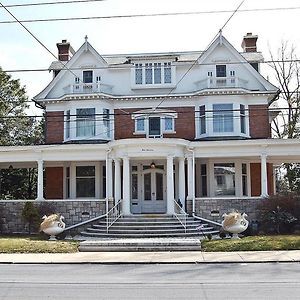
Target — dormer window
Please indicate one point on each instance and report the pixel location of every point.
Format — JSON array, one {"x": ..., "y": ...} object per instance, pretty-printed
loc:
[
  {"x": 220, "y": 70},
  {"x": 152, "y": 74},
  {"x": 87, "y": 76}
]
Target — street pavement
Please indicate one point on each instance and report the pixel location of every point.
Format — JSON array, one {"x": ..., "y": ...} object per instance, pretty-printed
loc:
[
  {"x": 182, "y": 257},
  {"x": 226, "y": 281}
]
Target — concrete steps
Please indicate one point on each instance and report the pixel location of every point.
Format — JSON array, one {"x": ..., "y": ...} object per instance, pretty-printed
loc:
[{"x": 154, "y": 226}]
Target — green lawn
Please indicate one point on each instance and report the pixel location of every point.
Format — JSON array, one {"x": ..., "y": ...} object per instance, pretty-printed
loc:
[
  {"x": 35, "y": 245},
  {"x": 254, "y": 243}
]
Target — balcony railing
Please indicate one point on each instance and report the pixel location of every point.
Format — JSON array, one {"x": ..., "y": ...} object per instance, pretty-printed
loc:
[
  {"x": 221, "y": 82},
  {"x": 88, "y": 88}
]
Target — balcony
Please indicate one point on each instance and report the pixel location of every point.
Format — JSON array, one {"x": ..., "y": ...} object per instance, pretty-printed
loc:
[
  {"x": 88, "y": 88},
  {"x": 221, "y": 83}
]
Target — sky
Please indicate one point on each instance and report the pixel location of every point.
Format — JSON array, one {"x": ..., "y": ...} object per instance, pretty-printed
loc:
[{"x": 19, "y": 50}]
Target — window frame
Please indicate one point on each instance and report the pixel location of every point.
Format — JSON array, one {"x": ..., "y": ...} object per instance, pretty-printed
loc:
[
  {"x": 86, "y": 118},
  {"x": 91, "y": 77},
  {"x": 223, "y": 115}
]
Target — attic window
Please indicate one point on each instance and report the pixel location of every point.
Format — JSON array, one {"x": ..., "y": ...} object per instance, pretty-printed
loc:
[
  {"x": 87, "y": 76},
  {"x": 221, "y": 70}
]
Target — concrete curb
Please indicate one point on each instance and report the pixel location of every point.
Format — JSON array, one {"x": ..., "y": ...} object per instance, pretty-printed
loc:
[{"x": 192, "y": 257}]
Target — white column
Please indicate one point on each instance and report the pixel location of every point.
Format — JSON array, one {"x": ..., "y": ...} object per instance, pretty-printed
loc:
[
  {"x": 109, "y": 179},
  {"x": 181, "y": 181},
  {"x": 170, "y": 186},
  {"x": 40, "y": 183},
  {"x": 126, "y": 187},
  {"x": 117, "y": 180},
  {"x": 190, "y": 177},
  {"x": 264, "y": 176}
]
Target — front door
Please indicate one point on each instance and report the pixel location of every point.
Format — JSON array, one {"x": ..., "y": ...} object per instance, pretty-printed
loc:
[{"x": 154, "y": 191}]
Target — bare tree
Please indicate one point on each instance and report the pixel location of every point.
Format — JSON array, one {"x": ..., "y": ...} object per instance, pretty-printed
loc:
[
  {"x": 286, "y": 125},
  {"x": 287, "y": 74}
]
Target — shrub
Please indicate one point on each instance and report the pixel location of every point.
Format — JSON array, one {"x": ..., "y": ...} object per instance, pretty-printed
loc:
[
  {"x": 31, "y": 216},
  {"x": 279, "y": 213}
]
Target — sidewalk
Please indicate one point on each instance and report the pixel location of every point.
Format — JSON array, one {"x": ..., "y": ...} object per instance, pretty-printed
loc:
[{"x": 153, "y": 257}]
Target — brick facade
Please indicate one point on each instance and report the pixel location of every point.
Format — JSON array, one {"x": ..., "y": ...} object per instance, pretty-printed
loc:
[
  {"x": 54, "y": 183},
  {"x": 184, "y": 124},
  {"x": 54, "y": 127},
  {"x": 259, "y": 122},
  {"x": 256, "y": 179}
]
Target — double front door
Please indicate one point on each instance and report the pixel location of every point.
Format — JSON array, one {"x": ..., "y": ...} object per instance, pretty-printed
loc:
[{"x": 153, "y": 191}]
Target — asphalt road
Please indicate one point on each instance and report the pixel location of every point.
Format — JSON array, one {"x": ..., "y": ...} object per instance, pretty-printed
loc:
[{"x": 192, "y": 281}]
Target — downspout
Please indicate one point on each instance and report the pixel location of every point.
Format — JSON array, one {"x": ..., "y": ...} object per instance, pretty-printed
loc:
[
  {"x": 193, "y": 179},
  {"x": 106, "y": 182}
]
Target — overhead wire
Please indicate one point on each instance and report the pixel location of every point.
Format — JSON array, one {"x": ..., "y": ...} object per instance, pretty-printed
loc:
[
  {"x": 147, "y": 15},
  {"x": 51, "y": 3}
]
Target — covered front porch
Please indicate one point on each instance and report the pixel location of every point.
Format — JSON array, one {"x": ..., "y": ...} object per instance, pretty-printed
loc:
[{"x": 153, "y": 176}]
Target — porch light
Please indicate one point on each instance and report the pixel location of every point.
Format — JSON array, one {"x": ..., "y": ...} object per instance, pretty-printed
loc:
[{"x": 152, "y": 166}]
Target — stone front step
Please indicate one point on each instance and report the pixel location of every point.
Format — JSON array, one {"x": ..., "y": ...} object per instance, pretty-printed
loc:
[
  {"x": 141, "y": 244},
  {"x": 149, "y": 226}
]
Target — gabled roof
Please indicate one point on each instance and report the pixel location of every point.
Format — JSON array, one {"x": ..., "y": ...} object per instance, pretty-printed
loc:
[
  {"x": 221, "y": 40},
  {"x": 86, "y": 46}
]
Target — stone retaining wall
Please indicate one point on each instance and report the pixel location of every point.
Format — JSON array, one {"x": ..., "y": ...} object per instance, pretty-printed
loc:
[
  {"x": 74, "y": 211},
  {"x": 205, "y": 207}
]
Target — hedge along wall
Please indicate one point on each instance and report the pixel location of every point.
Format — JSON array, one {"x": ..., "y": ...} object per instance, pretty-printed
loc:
[{"x": 74, "y": 211}]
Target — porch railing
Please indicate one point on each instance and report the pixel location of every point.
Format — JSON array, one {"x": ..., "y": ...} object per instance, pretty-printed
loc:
[
  {"x": 180, "y": 215},
  {"x": 113, "y": 215}
]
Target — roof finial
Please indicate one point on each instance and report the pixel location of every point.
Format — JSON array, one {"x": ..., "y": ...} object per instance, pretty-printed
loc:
[
  {"x": 220, "y": 36},
  {"x": 86, "y": 42}
]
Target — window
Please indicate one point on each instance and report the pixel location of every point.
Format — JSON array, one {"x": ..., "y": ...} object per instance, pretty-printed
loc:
[
  {"x": 98, "y": 78},
  {"x": 203, "y": 180},
  {"x": 85, "y": 181},
  {"x": 103, "y": 182},
  {"x": 77, "y": 80},
  {"x": 134, "y": 182},
  {"x": 138, "y": 74},
  {"x": 106, "y": 121},
  {"x": 140, "y": 125},
  {"x": 87, "y": 76},
  {"x": 85, "y": 122},
  {"x": 222, "y": 118},
  {"x": 243, "y": 118},
  {"x": 209, "y": 74},
  {"x": 202, "y": 119},
  {"x": 244, "y": 180},
  {"x": 67, "y": 182},
  {"x": 221, "y": 70},
  {"x": 169, "y": 126},
  {"x": 232, "y": 73},
  {"x": 68, "y": 121},
  {"x": 224, "y": 175},
  {"x": 148, "y": 73},
  {"x": 154, "y": 126},
  {"x": 157, "y": 73},
  {"x": 167, "y": 72}
]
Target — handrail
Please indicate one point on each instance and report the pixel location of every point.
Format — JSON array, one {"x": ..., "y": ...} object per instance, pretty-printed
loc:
[
  {"x": 85, "y": 222},
  {"x": 113, "y": 215},
  {"x": 181, "y": 215},
  {"x": 206, "y": 220}
]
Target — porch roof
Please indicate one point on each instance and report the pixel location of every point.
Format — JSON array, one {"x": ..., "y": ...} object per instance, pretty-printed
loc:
[{"x": 276, "y": 150}]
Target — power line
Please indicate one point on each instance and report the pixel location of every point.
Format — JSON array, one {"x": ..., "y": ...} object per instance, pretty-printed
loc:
[
  {"x": 55, "y": 116},
  {"x": 52, "y": 3},
  {"x": 148, "y": 15},
  {"x": 131, "y": 66}
]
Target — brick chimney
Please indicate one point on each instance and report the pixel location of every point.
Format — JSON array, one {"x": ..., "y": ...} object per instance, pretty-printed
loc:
[
  {"x": 65, "y": 50},
  {"x": 249, "y": 42}
]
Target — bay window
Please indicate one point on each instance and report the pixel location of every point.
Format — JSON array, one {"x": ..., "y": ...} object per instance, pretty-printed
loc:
[
  {"x": 222, "y": 118},
  {"x": 85, "y": 122}
]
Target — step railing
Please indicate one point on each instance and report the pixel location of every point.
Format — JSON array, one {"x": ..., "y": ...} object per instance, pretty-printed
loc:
[
  {"x": 180, "y": 215},
  {"x": 113, "y": 215}
]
